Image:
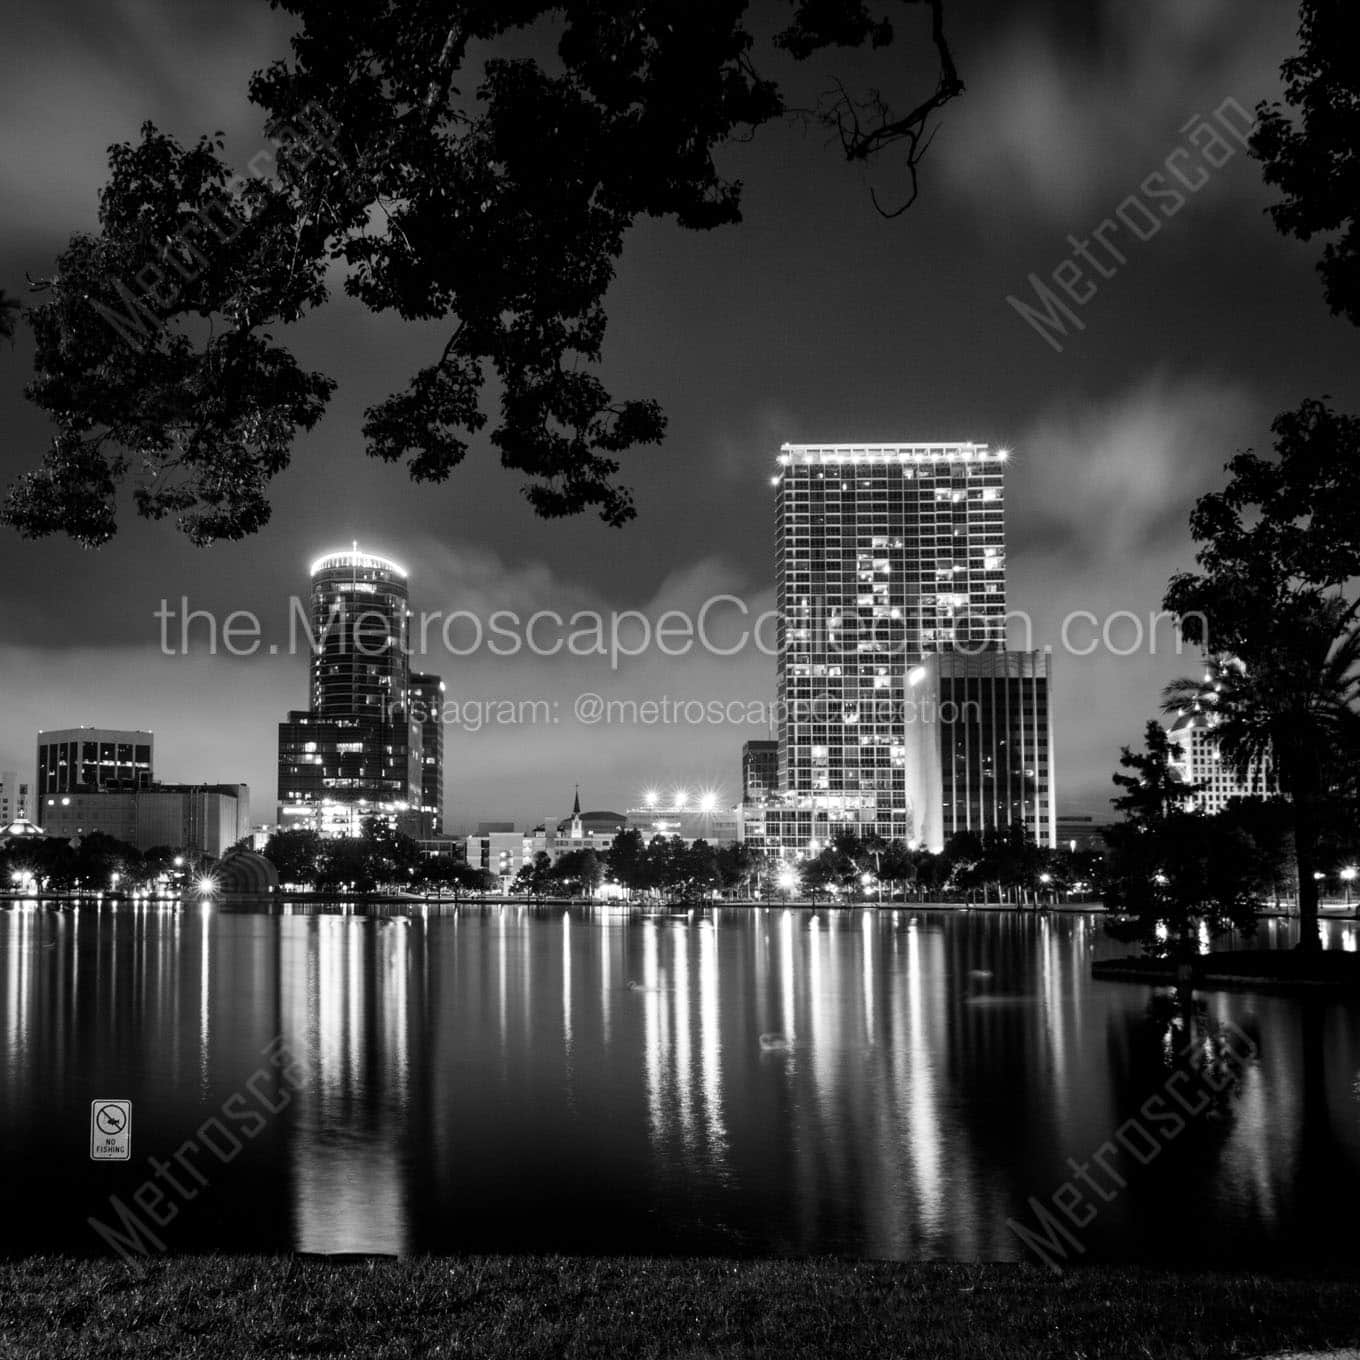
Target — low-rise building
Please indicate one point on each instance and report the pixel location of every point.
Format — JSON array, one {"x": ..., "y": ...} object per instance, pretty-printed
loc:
[
  {"x": 501, "y": 853},
  {"x": 207, "y": 819},
  {"x": 704, "y": 818},
  {"x": 13, "y": 797},
  {"x": 1077, "y": 833}
]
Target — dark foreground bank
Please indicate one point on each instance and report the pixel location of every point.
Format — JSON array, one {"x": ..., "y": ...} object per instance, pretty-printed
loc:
[
  {"x": 553, "y": 1306},
  {"x": 1264, "y": 970}
]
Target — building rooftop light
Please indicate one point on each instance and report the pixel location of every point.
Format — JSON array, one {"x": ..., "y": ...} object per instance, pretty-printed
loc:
[
  {"x": 942, "y": 451},
  {"x": 353, "y": 557}
]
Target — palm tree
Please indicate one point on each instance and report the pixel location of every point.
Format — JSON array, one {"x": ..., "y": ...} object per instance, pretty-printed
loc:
[{"x": 1294, "y": 710}]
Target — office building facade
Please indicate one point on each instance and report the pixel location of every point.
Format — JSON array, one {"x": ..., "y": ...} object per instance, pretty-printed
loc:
[
  {"x": 891, "y": 601},
  {"x": 14, "y": 797},
  {"x": 980, "y": 745},
  {"x": 759, "y": 771},
  {"x": 885, "y": 553},
  {"x": 91, "y": 760}
]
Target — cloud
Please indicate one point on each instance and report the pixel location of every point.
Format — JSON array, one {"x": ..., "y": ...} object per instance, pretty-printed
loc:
[
  {"x": 1099, "y": 482},
  {"x": 515, "y": 744},
  {"x": 736, "y": 450},
  {"x": 1066, "y": 133},
  {"x": 1099, "y": 497}
]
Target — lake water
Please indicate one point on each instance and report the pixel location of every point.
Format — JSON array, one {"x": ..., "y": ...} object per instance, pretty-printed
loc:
[{"x": 872, "y": 1083}]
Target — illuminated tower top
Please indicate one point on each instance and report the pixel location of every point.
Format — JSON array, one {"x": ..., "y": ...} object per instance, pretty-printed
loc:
[{"x": 360, "y": 668}]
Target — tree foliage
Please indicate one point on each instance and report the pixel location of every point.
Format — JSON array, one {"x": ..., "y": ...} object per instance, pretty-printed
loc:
[
  {"x": 1281, "y": 528},
  {"x": 55, "y": 863},
  {"x": 1172, "y": 871},
  {"x": 381, "y": 855},
  {"x": 1279, "y": 547},
  {"x": 448, "y": 180},
  {"x": 1311, "y": 158}
]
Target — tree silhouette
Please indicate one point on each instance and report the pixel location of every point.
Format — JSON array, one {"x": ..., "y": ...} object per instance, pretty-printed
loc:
[
  {"x": 1279, "y": 547},
  {"x": 1312, "y": 161},
  {"x": 1172, "y": 871},
  {"x": 491, "y": 194}
]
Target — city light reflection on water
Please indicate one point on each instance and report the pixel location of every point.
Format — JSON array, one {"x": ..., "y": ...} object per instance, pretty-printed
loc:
[{"x": 874, "y": 1083}]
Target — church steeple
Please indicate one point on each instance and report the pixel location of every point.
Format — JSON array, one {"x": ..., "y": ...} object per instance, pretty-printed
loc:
[
  {"x": 576, "y": 806},
  {"x": 576, "y": 829}
]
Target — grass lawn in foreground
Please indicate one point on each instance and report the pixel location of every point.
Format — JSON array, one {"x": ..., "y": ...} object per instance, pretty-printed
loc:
[{"x": 527, "y": 1307}]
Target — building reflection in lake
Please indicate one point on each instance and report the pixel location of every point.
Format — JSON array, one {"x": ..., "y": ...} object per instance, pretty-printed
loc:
[{"x": 879, "y": 1083}]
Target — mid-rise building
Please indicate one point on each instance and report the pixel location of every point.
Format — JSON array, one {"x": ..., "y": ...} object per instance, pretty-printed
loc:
[
  {"x": 759, "y": 771},
  {"x": 980, "y": 745},
  {"x": 357, "y": 751},
  {"x": 205, "y": 819},
  {"x": 90, "y": 760},
  {"x": 1195, "y": 754},
  {"x": 1197, "y": 760}
]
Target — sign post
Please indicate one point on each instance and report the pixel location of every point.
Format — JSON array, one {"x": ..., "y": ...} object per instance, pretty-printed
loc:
[{"x": 110, "y": 1130}]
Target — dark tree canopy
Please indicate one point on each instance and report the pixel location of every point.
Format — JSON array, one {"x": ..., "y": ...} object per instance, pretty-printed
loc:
[
  {"x": 1279, "y": 550},
  {"x": 1172, "y": 871},
  {"x": 1312, "y": 161},
  {"x": 1282, "y": 529},
  {"x": 490, "y": 193}
]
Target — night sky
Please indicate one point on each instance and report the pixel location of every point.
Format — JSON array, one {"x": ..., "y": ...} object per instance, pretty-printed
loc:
[{"x": 816, "y": 320}]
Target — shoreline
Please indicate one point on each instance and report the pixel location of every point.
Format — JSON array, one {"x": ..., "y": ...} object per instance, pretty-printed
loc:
[
  {"x": 1257, "y": 970},
  {"x": 1337, "y": 913}
]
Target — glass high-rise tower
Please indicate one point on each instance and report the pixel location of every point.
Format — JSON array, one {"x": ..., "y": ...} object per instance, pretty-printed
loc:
[
  {"x": 358, "y": 751},
  {"x": 360, "y": 611},
  {"x": 886, "y": 554}
]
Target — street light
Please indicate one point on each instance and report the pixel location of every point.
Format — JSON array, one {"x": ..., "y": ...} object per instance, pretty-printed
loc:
[{"x": 1348, "y": 877}]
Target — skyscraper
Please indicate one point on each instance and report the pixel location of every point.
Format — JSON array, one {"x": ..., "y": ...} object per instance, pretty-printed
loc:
[
  {"x": 427, "y": 701},
  {"x": 886, "y": 554},
  {"x": 357, "y": 751}
]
